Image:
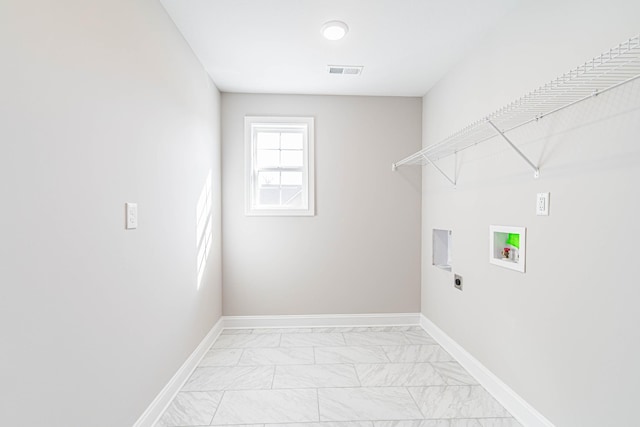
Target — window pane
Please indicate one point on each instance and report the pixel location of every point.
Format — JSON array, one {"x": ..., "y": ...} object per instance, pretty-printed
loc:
[
  {"x": 269, "y": 196},
  {"x": 266, "y": 140},
  {"x": 292, "y": 158},
  {"x": 292, "y": 141},
  {"x": 268, "y": 188},
  {"x": 292, "y": 178},
  {"x": 292, "y": 197},
  {"x": 268, "y": 179},
  {"x": 268, "y": 158}
]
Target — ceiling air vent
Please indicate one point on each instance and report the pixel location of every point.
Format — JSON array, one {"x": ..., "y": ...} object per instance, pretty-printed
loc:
[{"x": 352, "y": 70}]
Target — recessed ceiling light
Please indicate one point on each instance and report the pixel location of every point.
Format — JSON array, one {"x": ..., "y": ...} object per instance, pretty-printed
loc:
[{"x": 334, "y": 30}]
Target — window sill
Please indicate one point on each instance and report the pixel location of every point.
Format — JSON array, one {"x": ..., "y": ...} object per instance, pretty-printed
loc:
[{"x": 280, "y": 212}]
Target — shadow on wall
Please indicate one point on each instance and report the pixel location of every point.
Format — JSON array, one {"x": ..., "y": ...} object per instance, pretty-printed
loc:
[
  {"x": 617, "y": 108},
  {"x": 413, "y": 176},
  {"x": 204, "y": 233}
]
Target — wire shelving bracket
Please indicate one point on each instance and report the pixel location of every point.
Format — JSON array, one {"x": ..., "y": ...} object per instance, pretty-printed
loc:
[
  {"x": 536, "y": 170},
  {"x": 603, "y": 73},
  {"x": 452, "y": 181}
]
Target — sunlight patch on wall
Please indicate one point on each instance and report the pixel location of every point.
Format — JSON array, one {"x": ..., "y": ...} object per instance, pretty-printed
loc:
[{"x": 204, "y": 234}]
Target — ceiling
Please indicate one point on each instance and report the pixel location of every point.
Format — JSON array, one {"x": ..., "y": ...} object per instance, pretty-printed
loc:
[{"x": 275, "y": 46}]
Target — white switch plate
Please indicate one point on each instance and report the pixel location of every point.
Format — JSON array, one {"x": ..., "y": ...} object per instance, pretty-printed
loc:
[
  {"x": 132, "y": 215},
  {"x": 542, "y": 204}
]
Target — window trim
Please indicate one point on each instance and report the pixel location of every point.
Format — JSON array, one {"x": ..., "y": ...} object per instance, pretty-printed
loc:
[{"x": 308, "y": 178}]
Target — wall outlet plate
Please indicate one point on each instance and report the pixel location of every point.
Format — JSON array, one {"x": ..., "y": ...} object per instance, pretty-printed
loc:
[
  {"x": 542, "y": 204},
  {"x": 457, "y": 281}
]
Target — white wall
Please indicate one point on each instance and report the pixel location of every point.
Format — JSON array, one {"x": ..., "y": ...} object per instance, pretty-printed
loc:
[
  {"x": 361, "y": 252},
  {"x": 564, "y": 334},
  {"x": 103, "y": 103}
]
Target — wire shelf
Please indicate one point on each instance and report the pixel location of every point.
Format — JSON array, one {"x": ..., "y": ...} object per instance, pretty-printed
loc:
[{"x": 611, "y": 69}]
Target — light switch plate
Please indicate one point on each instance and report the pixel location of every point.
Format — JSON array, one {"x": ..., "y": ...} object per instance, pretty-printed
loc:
[
  {"x": 132, "y": 215},
  {"x": 542, "y": 204}
]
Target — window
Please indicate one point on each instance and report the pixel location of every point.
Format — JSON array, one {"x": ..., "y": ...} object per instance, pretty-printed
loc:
[{"x": 279, "y": 166}]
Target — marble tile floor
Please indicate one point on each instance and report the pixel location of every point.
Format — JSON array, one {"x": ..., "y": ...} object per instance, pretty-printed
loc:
[{"x": 332, "y": 377}]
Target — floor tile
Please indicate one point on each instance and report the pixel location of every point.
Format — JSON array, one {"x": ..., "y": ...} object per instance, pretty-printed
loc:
[
  {"x": 190, "y": 408},
  {"x": 368, "y": 329},
  {"x": 457, "y": 402},
  {"x": 304, "y": 376},
  {"x": 453, "y": 422},
  {"x": 414, "y": 423},
  {"x": 417, "y": 353},
  {"x": 375, "y": 338},
  {"x": 405, "y": 328},
  {"x": 230, "y": 378},
  {"x": 236, "y": 425},
  {"x": 498, "y": 422},
  {"x": 464, "y": 422},
  {"x": 354, "y": 404},
  {"x": 385, "y": 376},
  {"x": 454, "y": 374},
  {"x": 326, "y": 424},
  {"x": 221, "y": 357},
  {"x": 419, "y": 337},
  {"x": 277, "y": 356},
  {"x": 267, "y": 406},
  {"x": 247, "y": 341},
  {"x": 283, "y": 331},
  {"x": 312, "y": 340},
  {"x": 398, "y": 375},
  {"x": 236, "y": 331},
  {"x": 342, "y": 329},
  {"x": 350, "y": 354},
  {"x": 332, "y": 329}
]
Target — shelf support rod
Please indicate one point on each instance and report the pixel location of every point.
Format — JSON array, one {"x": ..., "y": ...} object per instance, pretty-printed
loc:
[
  {"x": 536, "y": 170},
  {"x": 439, "y": 170}
]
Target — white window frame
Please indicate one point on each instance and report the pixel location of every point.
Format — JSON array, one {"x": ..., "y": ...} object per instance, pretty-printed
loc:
[{"x": 251, "y": 125}]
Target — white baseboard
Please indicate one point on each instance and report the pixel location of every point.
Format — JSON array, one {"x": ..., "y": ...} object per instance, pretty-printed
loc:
[
  {"x": 164, "y": 398},
  {"x": 516, "y": 405},
  {"x": 321, "y": 320}
]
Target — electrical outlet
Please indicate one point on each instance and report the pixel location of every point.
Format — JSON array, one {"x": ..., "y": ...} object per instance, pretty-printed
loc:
[
  {"x": 542, "y": 204},
  {"x": 131, "y": 215},
  {"x": 457, "y": 281}
]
